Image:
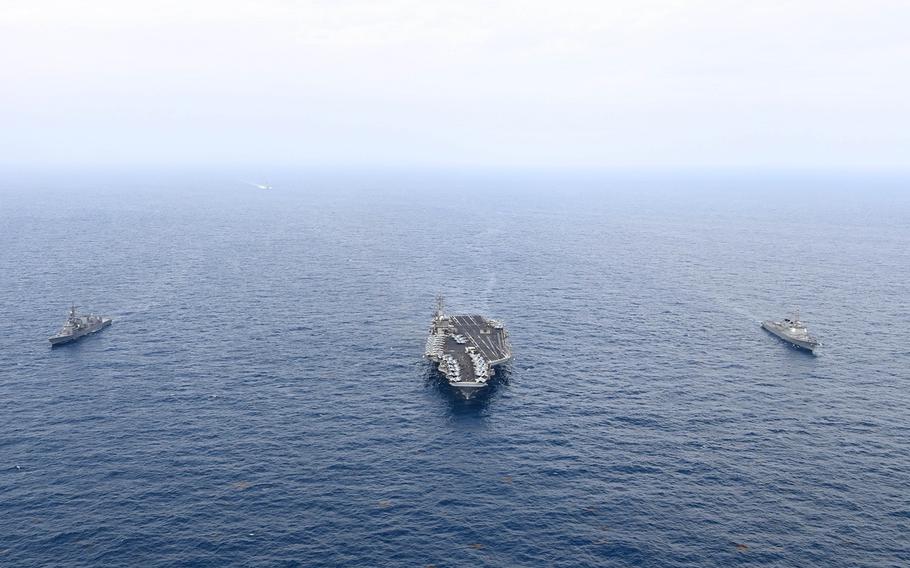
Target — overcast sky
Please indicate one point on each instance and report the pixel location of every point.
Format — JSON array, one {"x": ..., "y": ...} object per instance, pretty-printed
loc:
[{"x": 603, "y": 84}]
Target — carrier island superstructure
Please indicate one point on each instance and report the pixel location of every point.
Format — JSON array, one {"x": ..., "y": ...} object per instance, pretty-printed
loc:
[{"x": 466, "y": 349}]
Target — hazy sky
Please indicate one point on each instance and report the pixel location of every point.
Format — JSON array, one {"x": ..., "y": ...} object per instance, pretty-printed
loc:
[{"x": 609, "y": 83}]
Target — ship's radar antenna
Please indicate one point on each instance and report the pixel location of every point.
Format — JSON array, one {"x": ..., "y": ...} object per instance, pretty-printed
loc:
[{"x": 440, "y": 307}]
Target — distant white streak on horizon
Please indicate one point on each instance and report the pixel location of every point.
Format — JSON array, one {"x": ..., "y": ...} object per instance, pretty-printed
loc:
[{"x": 488, "y": 83}]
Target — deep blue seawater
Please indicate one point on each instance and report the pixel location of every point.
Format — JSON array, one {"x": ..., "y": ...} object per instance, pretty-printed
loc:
[{"x": 261, "y": 399}]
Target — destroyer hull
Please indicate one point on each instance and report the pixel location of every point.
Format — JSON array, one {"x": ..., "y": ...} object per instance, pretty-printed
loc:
[
  {"x": 63, "y": 339},
  {"x": 781, "y": 334}
]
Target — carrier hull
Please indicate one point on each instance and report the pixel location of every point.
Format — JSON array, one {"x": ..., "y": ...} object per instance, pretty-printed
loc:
[{"x": 466, "y": 349}]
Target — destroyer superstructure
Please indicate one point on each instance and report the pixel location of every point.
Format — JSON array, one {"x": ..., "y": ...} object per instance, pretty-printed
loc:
[
  {"x": 793, "y": 331},
  {"x": 77, "y": 326},
  {"x": 466, "y": 349}
]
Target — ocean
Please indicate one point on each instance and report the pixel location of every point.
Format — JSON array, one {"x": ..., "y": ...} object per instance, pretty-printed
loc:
[{"x": 261, "y": 398}]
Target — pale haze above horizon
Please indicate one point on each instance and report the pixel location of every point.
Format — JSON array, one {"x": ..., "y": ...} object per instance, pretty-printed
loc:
[{"x": 815, "y": 84}]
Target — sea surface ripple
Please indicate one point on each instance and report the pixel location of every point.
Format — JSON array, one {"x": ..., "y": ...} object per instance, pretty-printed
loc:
[{"x": 261, "y": 399}]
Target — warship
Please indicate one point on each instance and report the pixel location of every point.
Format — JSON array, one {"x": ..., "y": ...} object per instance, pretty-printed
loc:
[
  {"x": 77, "y": 326},
  {"x": 793, "y": 331},
  {"x": 466, "y": 349}
]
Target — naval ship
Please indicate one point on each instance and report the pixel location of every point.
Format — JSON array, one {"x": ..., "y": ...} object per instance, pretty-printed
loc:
[
  {"x": 793, "y": 331},
  {"x": 77, "y": 326},
  {"x": 466, "y": 349}
]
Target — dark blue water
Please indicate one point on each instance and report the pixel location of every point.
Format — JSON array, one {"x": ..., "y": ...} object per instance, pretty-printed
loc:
[{"x": 261, "y": 400}]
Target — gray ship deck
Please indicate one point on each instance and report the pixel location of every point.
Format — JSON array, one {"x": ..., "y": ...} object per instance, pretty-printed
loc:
[
  {"x": 490, "y": 341},
  {"x": 473, "y": 343},
  {"x": 467, "y": 373}
]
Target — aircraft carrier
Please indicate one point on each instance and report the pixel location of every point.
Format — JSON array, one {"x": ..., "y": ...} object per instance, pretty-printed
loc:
[{"x": 466, "y": 349}]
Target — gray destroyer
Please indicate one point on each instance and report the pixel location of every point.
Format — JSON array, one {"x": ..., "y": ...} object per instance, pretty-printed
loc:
[
  {"x": 77, "y": 326},
  {"x": 466, "y": 349},
  {"x": 793, "y": 331}
]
